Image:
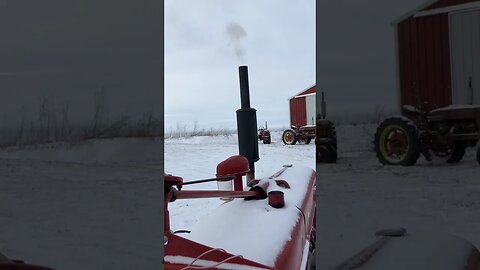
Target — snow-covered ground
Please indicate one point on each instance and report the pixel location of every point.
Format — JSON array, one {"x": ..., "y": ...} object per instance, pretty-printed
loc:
[
  {"x": 358, "y": 196},
  {"x": 197, "y": 158},
  {"x": 92, "y": 205},
  {"x": 95, "y": 205}
]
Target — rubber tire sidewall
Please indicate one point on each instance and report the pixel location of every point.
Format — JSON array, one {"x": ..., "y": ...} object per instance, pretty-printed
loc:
[
  {"x": 294, "y": 141},
  {"x": 326, "y": 154},
  {"x": 413, "y": 152}
]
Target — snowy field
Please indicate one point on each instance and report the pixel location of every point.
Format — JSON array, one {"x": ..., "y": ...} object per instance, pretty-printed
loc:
[
  {"x": 94, "y": 205},
  {"x": 358, "y": 196},
  {"x": 197, "y": 158}
]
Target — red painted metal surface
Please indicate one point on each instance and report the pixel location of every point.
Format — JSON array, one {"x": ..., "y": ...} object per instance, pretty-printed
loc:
[
  {"x": 276, "y": 199},
  {"x": 424, "y": 60},
  {"x": 298, "y": 107},
  {"x": 237, "y": 166},
  {"x": 424, "y": 57},
  {"x": 178, "y": 249},
  {"x": 292, "y": 253},
  {"x": 179, "y": 246},
  {"x": 197, "y": 194},
  {"x": 298, "y": 112},
  {"x": 310, "y": 90}
]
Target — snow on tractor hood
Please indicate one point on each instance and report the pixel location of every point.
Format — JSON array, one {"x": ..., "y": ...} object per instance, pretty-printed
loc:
[{"x": 253, "y": 228}]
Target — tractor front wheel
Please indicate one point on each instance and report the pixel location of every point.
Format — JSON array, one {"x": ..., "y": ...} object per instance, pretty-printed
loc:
[
  {"x": 396, "y": 142},
  {"x": 266, "y": 140},
  {"x": 289, "y": 137},
  {"x": 308, "y": 140}
]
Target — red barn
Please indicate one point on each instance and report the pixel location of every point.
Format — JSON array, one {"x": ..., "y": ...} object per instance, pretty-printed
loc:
[
  {"x": 438, "y": 53},
  {"x": 302, "y": 108}
]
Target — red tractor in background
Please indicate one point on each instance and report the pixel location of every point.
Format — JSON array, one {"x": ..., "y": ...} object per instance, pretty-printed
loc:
[
  {"x": 264, "y": 135},
  {"x": 433, "y": 132},
  {"x": 306, "y": 125},
  {"x": 298, "y": 134},
  {"x": 302, "y": 118}
]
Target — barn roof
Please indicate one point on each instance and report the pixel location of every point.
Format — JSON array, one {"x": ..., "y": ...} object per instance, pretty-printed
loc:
[
  {"x": 413, "y": 11},
  {"x": 310, "y": 90},
  {"x": 421, "y": 9}
]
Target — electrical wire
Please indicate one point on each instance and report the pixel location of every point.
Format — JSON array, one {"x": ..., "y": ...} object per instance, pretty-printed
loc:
[
  {"x": 209, "y": 267},
  {"x": 304, "y": 221},
  {"x": 190, "y": 265},
  {"x": 203, "y": 254}
]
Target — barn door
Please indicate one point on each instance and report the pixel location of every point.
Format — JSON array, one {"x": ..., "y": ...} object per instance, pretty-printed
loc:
[
  {"x": 311, "y": 110},
  {"x": 465, "y": 56}
]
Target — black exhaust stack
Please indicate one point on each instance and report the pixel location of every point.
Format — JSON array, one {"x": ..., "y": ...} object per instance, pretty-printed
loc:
[{"x": 247, "y": 124}]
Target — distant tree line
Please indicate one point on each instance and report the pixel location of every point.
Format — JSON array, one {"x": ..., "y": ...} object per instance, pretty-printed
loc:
[{"x": 54, "y": 125}]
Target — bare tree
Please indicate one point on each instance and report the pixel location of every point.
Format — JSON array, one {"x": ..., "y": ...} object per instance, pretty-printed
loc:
[
  {"x": 65, "y": 129},
  {"x": 99, "y": 113},
  {"x": 20, "y": 133},
  {"x": 378, "y": 113},
  {"x": 44, "y": 120}
]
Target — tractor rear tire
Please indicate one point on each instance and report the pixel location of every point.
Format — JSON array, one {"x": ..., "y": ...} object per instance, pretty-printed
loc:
[
  {"x": 458, "y": 152},
  {"x": 396, "y": 135},
  {"x": 289, "y": 137},
  {"x": 326, "y": 154}
]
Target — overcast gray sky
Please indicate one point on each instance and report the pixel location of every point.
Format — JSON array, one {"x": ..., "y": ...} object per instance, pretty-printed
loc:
[
  {"x": 65, "y": 50},
  {"x": 206, "y": 41},
  {"x": 356, "y": 52}
]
